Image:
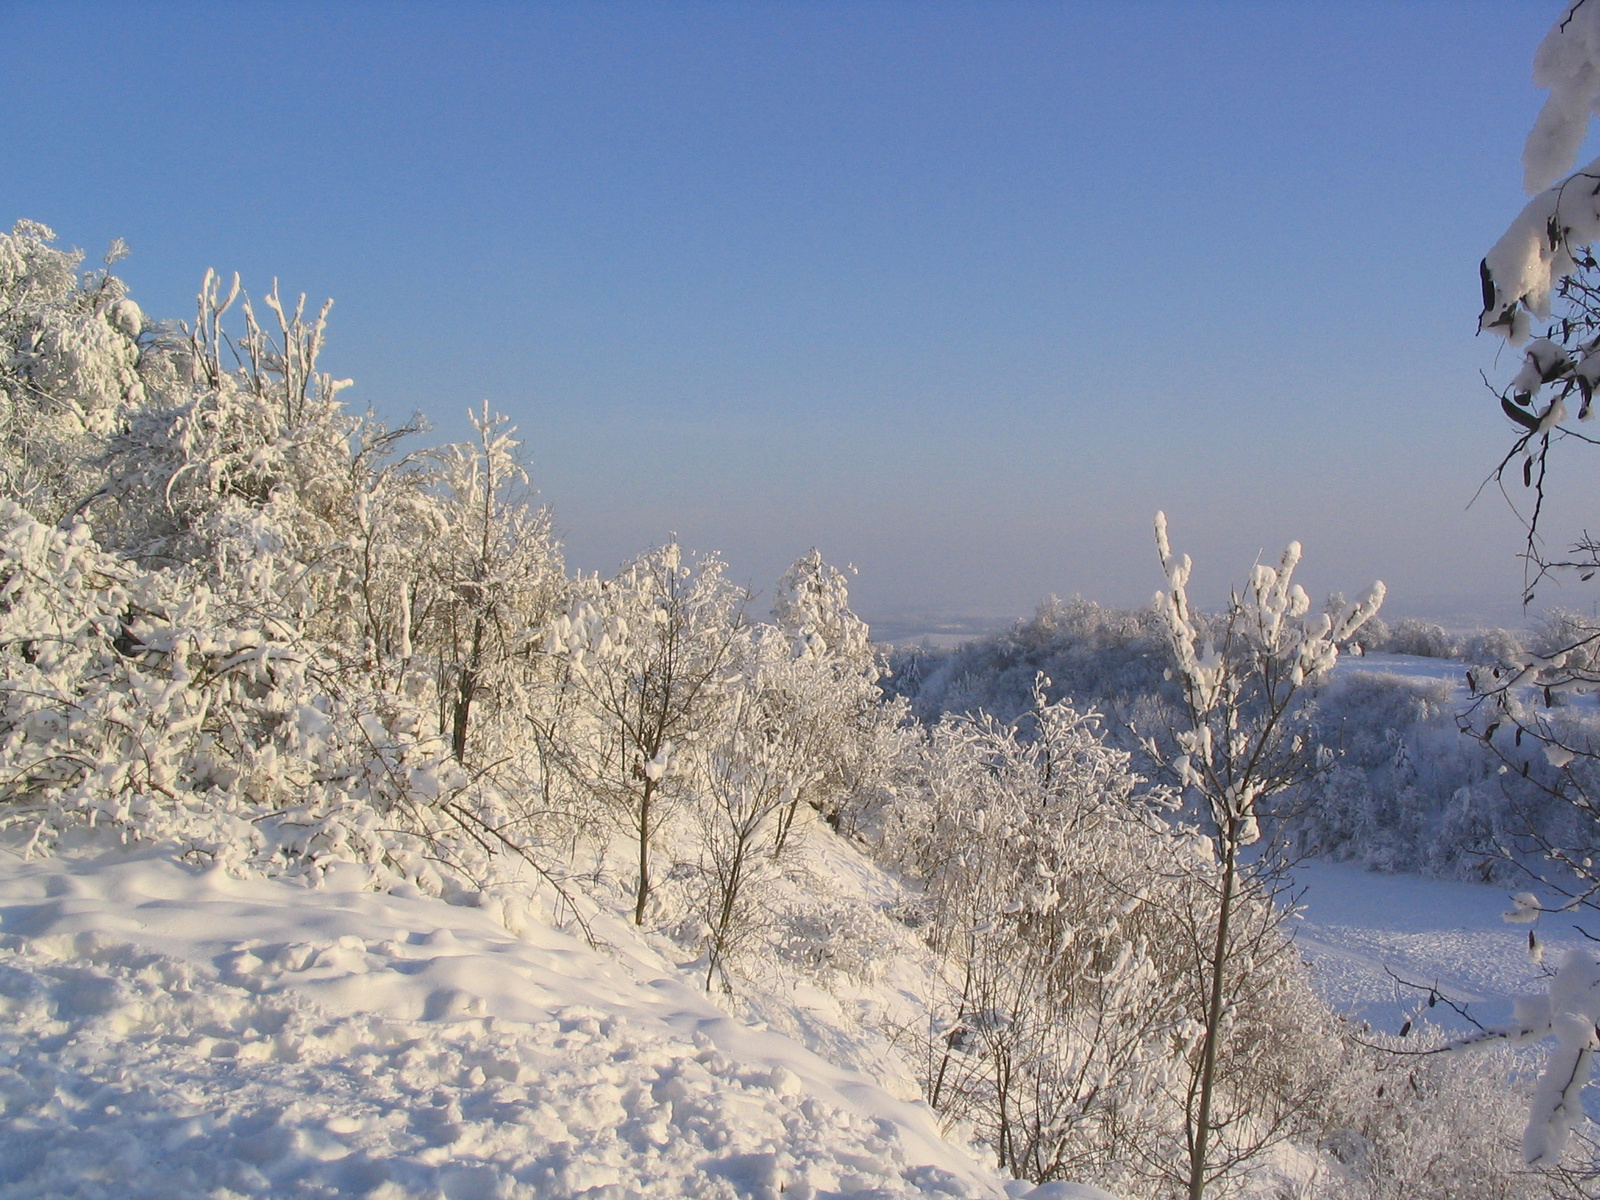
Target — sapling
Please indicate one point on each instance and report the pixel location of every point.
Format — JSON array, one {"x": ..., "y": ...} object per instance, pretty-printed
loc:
[{"x": 1244, "y": 740}]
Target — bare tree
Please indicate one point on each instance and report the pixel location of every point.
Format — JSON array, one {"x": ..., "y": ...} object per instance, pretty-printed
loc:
[
  {"x": 749, "y": 778},
  {"x": 651, "y": 658}
]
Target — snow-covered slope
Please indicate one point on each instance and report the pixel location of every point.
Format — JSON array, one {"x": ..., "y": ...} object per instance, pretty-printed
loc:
[{"x": 172, "y": 1032}]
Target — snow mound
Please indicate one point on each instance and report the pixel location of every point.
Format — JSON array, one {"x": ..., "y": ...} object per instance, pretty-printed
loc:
[{"x": 171, "y": 1032}]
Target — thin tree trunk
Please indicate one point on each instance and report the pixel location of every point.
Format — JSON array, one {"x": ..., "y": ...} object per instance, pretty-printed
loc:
[
  {"x": 461, "y": 714},
  {"x": 1200, "y": 1134},
  {"x": 949, "y": 1049},
  {"x": 730, "y": 897},
  {"x": 784, "y": 823},
  {"x": 466, "y": 691},
  {"x": 642, "y": 892}
]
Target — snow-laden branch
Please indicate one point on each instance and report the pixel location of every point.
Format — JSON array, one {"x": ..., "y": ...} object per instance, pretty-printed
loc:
[
  {"x": 1238, "y": 747},
  {"x": 1568, "y": 63},
  {"x": 1569, "y": 1013}
]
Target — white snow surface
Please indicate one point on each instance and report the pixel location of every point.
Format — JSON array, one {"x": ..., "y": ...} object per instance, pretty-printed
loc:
[
  {"x": 1408, "y": 666},
  {"x": 171, "y": 1032},
  {"x": 1360, "y": 930}
]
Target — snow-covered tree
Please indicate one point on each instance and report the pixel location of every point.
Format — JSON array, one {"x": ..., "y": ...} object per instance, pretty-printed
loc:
[
  {"x": 1244, "y": 739},
  {"x": 1542, "y": 277},
  {"x": 824, "y": 692},
  {"x": 79, "y": 357},
  {"x": 497, "y": 580},
  {"x": 650, "y": 660},
  {"x": 749, "y": 773},
  {"x": 812, "y": 606},
  {"x": 265, "y": 448}
]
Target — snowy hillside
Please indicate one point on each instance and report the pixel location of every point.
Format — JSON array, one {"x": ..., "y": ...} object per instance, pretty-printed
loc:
[{"x": 171, "y": 1032}]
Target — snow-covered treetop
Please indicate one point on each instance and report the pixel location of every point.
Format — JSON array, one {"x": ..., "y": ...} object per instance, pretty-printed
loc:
[
  {"x": 812, "y": 607},
  {"x": 1238, "y": 688}
]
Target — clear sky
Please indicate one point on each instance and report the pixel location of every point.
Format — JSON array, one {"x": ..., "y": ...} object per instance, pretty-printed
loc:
[{"x": 959, "y": 293}]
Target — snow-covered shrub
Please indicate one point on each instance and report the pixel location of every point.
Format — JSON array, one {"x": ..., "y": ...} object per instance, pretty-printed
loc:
[
  {"x": 748, "y": 780},
  {"x": 1071, "y": 915},
  {"x": 264, "y": 571},
  {"x": 270, "y": 436},
  {"x": 650, "y": 663},
  {"x": 811, "y": 606},
  {"x": 1427, "y": 639},
  {"x": 1561, "y": 631},
  {"x": 162, "y": 706},
  {"x": 1402, "y": 1127},
  {"x": 1055, "y": 1030},
  {"x": 828, "y": 936},
  {"x": 1491, "y": 646},
  {"x": 1422, "y": 638}
]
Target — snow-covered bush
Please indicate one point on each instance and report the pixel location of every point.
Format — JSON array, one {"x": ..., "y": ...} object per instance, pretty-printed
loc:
[
  {"x": 1056, "y": 1029},
  {"x": 170, "y": 708},
  {"x": 248, "y": 589},
  {"x": 1428, "y": 639},
  {"x": 748, "y": 780},
  {"x": 268, "y": 440},
  {"x": 812, "y": 607},
  {"x": 825, "y": 694},
  {"x": 831, "y": 936},
  {"x": 1423, "y": 638},
  {"x": 1071, "y": 915},
  {"x": 651, "y": 662},
  {"x": 1404, "y": 1127}
]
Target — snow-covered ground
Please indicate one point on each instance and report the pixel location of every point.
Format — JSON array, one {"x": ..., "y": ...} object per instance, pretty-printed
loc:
[
  {"x": 167, "y": 1031},
  {"x": 172, "y": 1032},
  {"x": 1361, "y": 930},
  {"x": 1408, "y": 666}
]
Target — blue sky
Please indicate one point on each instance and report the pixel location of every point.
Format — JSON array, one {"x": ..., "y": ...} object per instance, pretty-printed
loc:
[{"x": 959, "y": 293}]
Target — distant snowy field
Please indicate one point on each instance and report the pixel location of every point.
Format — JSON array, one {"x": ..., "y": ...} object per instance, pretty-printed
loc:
[
  {"x": 1359, "y": 930},
  {"x": 1409, "y": 666},
  {"x": 167, "y": 1032}
]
